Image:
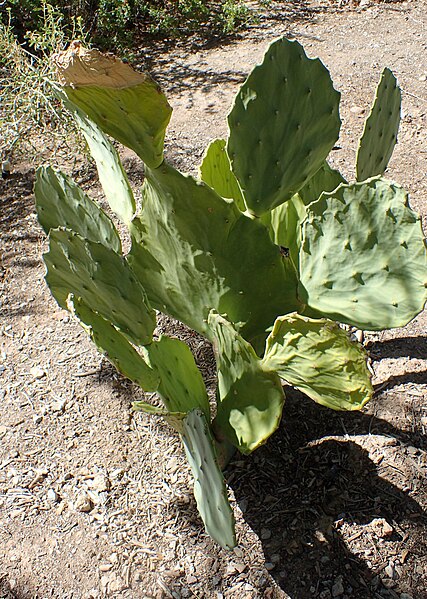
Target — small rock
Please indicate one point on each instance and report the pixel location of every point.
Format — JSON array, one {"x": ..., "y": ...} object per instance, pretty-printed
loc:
[
  {"x": 105, "y": 567},
  {"x": 37, "y": 372},
  {"x": 83, "y": 503},
  {"x": 265, "y": 534},
  {"x": 52, "y": 495},
  {"x": 337, "y": 588},
  {"x": 390, "y": 571},
  {"x": 357, "y": 109},
  {"x": 381, "y": 528},
  {"x": 405, "y": 596},
  {"x": 100, "y": 483},
  {"x": 191, "y": 579},
  {"x": 117, "y": 584},
  {"x": 270, "y": 566}
]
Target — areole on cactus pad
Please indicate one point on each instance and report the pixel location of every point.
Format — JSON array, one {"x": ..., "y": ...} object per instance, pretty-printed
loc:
[{"x": 264, "y": 254}]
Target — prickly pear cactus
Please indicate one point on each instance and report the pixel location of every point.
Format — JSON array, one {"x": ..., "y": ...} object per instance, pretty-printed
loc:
[{"x": 263, "y": 255}]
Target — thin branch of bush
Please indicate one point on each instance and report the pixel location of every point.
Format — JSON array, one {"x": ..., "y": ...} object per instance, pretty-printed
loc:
[{"x": 29, "y": 109}]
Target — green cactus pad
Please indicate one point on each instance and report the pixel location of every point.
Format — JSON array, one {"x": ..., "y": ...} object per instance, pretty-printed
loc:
[
  {"x": 381, "y": 127},
  {"x": 181, "y": 385},
  {"x": 326, "y": 179},
  {"x": 61, "y": 203},
  {"x": 283, "y": 124},
  {"x": 250, "y": 399},
  {"x": 116, "y": 347},
  {"x": 209, "y": 486},
  {"x": 363, "y": 256},
  {"x": 195, "y": 251},
  {"x": 125, "y": 104},
  {"x": 111, "y": 173},
  {"x": 284, "y": 224},
  {"x": 216, "y": 172},
  {"x": 318, "y": 357},
  {"x": 102, "y": 279}
]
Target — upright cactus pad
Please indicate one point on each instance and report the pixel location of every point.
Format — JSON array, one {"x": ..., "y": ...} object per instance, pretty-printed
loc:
[
  {"x": 181, "y": 385},
  {"x": 111, "y": 173},
  {"x": 318, "y": 357},
  {"x": 61, "y": 203},
  {"x": 325, "y": 179},
  {"x": 216, "y": 172},
  {"x": 283, "y": 124},
  {"x": 102, "y": 279},
  {"x": 381, "y": 127},
  {"x": 363, "y": 256},
  {"x": 209, "y": 486},
  {"x": 125, "y": 104},
  {"x": 250, "y": 398},
  {"x": 195, "y": 251}
]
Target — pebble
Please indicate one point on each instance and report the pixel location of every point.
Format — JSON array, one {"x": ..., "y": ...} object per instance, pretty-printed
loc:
[
  {"x": 381, "y": 528},
  {"x": 337, "y": 587},
  {"x": 83, "y": 503},
  {"x": 405, "y": 596},
  {"x": 37, "y": 372},
  {"x": 390, "y": 571},
  {"x": 52, "y": 495}
]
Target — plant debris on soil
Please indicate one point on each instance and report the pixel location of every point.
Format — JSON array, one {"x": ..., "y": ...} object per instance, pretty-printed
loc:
[{"x": 96, "y": 501}]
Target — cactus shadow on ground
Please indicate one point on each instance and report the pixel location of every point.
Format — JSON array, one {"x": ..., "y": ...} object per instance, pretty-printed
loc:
[{"x": 315, "y": 488}]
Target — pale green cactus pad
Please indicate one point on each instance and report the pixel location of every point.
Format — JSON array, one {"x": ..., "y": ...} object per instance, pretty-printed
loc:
[
  {"x": 363, "y": 256},
  {"x": 102, "y": 279},
  {"x": 195, "y": 251},
  {"x": 61, "y": 203},
  {"x": 318, "y": 357},
  {"x": 216, "y": 172},
  {"x": 284, "y": 224},
  {"x": 209, "y": 486},
  {"x": 181, "y": 385},
  {"x": 381, "y": 127},
  {"x": 326, "y": 179},
  {"x": 125, "y": 104},
  {"x": 250, "y": 399},
  {"x": 283, "y": 124},
  {"x": 112, "y": 176},
  {"x": 115, "y": 347}
]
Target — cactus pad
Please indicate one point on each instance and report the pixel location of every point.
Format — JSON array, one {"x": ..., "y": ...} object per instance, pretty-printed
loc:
[
  {"x": 209, "y": 486},
  {"x": 111, "y": 173},
  {"x": 381, "y": 127},
  {"x": 125, "y": 104},
  {"x": 216, "y": 172},
  {"x": 318, "y": 357},
  {"x": 181, "y": 385},
  {"x": 326, "y": 179},
  {"x": 61, "y": 203},
  {"x": 102, "y": 279},
  {"x": 195, "y": 251},
  {"x": 283, "y": 124},
  {"x": 250, "y": 399},
  {"x": 115, "y": 347},
  {"x": 363, "y": 256}
]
